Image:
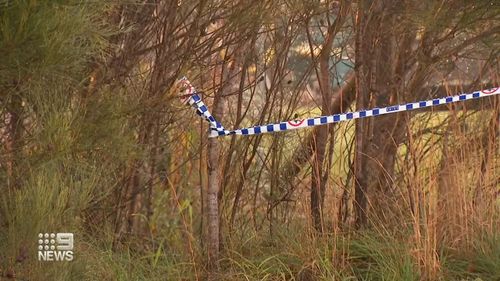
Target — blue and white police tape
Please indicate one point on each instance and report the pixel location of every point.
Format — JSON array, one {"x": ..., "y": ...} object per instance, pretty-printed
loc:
[
  {"x": 216, "y": 129},
  {"x": 190, "y": 96}
]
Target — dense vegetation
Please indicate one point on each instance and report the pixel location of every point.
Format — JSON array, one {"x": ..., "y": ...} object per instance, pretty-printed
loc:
[{"x": 95, "y": 141}]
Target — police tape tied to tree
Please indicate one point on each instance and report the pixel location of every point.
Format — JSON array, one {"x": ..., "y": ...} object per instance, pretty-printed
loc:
[{"x": 191, "y": 96}]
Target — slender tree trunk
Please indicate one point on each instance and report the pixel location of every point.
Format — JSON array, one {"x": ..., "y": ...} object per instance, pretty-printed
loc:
[
  {"x": 212, "y": 207},
  {"x": 360, "y": 200},
  {"x": 213, "y": 163},
  {"x": 320, "y": 174}
]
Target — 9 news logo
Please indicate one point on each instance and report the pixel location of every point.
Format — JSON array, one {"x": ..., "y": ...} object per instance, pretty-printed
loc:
[{"x": 55, "y": 246}]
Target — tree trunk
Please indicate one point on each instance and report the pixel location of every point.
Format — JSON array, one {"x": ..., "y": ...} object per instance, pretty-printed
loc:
[
  {"x": 320, "y": 174},
  {"x": 377, "y": 138},
  {"x": 212, "y": 208},
  {"x": 213, "y": 163}
]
